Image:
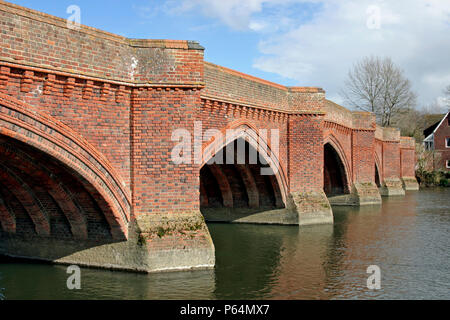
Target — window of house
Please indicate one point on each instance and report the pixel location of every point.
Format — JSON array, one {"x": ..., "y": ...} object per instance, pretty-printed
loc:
[
  {"x": 447, "y": 142},
  {"x": 448, "y": 164}
]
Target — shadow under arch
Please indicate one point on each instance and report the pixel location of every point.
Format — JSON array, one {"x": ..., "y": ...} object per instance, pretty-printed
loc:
[
  {"x": 378, "y": 179},
  {"x": 242, "y": 190},
  {"x": 34, "y": 133},
  {"x": 336, "y": 169},
  {"x": 246, "y": 131}
]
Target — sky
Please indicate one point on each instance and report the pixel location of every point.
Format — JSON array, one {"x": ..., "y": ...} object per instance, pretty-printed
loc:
[{"x": 291, "y": 42}]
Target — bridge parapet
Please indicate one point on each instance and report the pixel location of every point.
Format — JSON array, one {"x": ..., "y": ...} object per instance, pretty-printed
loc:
[
  {"x": 231, "y": 86},
  {"x": 306, "y": 100},
  {"x": 389, "y": 155},
  {"x": 408, "y": 163},
  {"x": 407, "y": 143},
  {"x": 379, "y": 133},
  {"x": 363, "y": 120},
  {"x": 338, "y": 114},
  {"x": 92, "y": 52}
]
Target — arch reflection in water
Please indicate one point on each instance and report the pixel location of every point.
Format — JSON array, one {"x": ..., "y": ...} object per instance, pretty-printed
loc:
[{"x": 406, "y": 237}]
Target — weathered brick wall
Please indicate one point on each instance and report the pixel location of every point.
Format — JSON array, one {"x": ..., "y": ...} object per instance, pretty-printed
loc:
[
  {"x": 38, "y": 39},
  {"x": 391, "y": 153},
  {"x": 408, "y": 156},
  {"x": 84, "y": 78},
  {"x": 338, "y": 114},
  {"x": 235, "y": 87},
  {"x": 90, "y": 108},
  {"x": 363, "y": 145},
  {"x": 306, "y": 154},
  {"x": 161, "y": 186}
]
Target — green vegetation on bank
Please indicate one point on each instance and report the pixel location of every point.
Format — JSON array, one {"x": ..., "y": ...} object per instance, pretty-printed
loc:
[{"x": 433, "y": 178}]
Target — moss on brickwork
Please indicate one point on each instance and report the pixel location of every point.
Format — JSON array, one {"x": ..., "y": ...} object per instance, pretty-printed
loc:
[
  {"x": 162, "y": 225},
  {"x": 311, "y": 207}
]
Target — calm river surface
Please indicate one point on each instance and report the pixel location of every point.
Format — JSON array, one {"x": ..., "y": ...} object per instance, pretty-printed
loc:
[{"x": 407, "y": 237}]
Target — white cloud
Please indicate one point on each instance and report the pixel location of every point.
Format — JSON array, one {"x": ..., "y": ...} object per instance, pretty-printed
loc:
[
  {"x": 234, "y": 13},
  {"x": 320, "y": 50}
]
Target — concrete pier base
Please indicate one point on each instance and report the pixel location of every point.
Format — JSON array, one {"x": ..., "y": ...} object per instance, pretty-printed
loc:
[
  {"x": 392, "y": 187},
  {"x": 362, "y": 194},
  {"x": 410, "y": 183},
  {"x": 366, "y": 194},
  {"x": 311, "y": 207},
  {"x": 153, "y": 246},
  {"x": 302, "y": 209},
  {"x": 252, "y": 216}
]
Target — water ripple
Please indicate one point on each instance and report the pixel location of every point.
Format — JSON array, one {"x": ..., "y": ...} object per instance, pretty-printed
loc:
[{"x": 406, "y": 237}]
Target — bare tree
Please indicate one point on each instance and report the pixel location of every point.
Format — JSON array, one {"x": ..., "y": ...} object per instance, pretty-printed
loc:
[
  {"x": 377, "y": 85},
  {"x": 363, "y": 86}
]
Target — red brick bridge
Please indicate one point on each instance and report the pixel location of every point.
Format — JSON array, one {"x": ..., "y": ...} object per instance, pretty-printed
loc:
[{"x": 86, "y": 140}]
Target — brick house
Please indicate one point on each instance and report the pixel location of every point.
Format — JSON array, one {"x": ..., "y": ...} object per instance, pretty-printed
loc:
[{"x": 438, "y": 139}]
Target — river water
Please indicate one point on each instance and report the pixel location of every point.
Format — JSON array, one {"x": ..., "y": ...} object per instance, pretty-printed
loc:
[{"x": 407, "y": 237}]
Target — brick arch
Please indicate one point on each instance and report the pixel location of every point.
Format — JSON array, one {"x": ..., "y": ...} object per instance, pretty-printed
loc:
[
  {"x": 7, "y": 217},
  {"x": 65, "y": 200},
  {"x": 378, "y": 168},
  {"x": 25, "y": 195},
  {"x": 250, "y": 185},
  {"x": 204, "y": 201},
  {"x": 25, "y": 123},
  {"x": 224, "y": 185},
  {"x": 334, "y": 142},
  {"x": 247, "y": 131}
]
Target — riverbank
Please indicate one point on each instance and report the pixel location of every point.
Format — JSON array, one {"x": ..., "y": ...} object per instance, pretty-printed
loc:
[{"x": 433, "y": 178}]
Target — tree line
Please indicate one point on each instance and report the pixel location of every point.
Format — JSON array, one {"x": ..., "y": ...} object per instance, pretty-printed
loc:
[{"x": 377, "y": 85}]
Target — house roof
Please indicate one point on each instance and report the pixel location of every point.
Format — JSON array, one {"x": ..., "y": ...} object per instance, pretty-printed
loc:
[
  {"x": 428, "y": 131},
  {"x": 432, "y": 129}
]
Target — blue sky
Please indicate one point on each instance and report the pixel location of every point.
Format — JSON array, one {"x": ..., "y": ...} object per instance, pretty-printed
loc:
[
  {"x": 225, "y": 46},
  {"x": 291, "y": 42}
]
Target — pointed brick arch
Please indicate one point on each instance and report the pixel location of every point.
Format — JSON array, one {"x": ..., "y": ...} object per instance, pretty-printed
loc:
[
  {"x": 250, "y": 185},
  {"x": 27, "y": 124},
  {"x": 336, "y": 145},
  {"x": 378, "y": 170},
  {"x": 25, "y": 195},
  {"x": 224, "y": 185},
  {"x": 7, "y": 217},
  {"x": 65, "y": 200},
  {"x": 379, "y": 166},
  {"x": 243, "y": 129}
]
